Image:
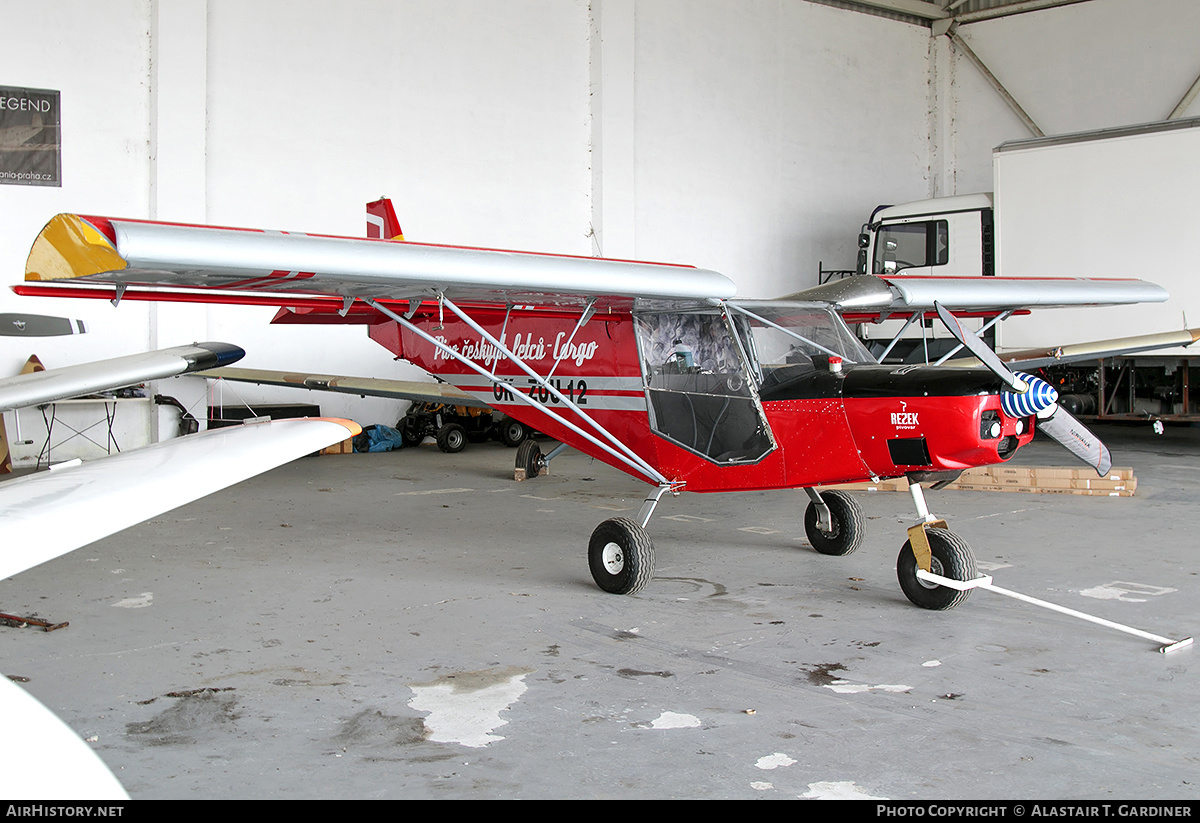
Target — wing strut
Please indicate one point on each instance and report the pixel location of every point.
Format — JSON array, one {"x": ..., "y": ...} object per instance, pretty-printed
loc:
[
  {"x": 899, "y": 334},
  {"x": 625, "y": 455}
]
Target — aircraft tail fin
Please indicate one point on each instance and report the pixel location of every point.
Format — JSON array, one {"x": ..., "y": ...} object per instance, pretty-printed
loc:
[{"x": 381, "y": 221}]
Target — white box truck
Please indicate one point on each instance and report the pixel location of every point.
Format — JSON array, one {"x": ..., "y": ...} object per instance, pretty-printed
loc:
[{"x": 1113, "y": 203}]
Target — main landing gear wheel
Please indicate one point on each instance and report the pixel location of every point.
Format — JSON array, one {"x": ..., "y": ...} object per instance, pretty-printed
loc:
[
  {"x": 621, "y": 556},
  {"x": 452, "y": 438},
  {"x": 529, "y": 458},
  {"x": 847, "y": 525},
  {"x": 951, "y": 557}
]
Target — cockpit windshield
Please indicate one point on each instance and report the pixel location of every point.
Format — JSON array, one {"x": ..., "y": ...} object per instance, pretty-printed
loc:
[{"x": 781, "y": 339}]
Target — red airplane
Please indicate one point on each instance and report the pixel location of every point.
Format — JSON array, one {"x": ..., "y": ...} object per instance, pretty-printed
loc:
[{"x": 652, "y": 368}]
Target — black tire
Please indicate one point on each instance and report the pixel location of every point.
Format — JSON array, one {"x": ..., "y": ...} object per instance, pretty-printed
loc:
[
  {"x": 512, "y": 432},
  {"x": 849, "y": 525},
  {"x": 411, "y": 431},
  {"x": 621, "y": 556},
  {"x": 951, "y": 557},
  {"x": 529, "y": 458},
  {"x": 452, "y": 438}
]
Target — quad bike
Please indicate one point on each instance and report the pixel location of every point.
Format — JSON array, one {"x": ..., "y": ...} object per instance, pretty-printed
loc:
[{"x": 454, "y": 426}]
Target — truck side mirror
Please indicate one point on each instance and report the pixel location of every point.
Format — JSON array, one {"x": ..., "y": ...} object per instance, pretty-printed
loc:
[{"x": 864, "y": 240}]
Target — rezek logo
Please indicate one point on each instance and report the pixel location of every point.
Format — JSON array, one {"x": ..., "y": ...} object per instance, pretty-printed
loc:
[{"x": 904, "y": 419}]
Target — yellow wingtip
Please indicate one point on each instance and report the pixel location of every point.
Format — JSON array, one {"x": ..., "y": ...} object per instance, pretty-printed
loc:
[{"x": 70, "y": 247}]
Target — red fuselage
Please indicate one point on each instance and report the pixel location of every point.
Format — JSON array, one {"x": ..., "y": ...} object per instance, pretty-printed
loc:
[{"x": 814, "y": 427}]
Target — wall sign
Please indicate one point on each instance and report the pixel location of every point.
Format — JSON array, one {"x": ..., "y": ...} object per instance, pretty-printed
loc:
[{"x": 30, "y": 150}]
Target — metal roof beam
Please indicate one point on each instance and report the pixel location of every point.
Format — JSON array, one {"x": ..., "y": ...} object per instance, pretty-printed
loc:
[
  {"x": 1185, "y": 101},
  {"x": 916, "y": 8},
  {"x": 966, "y": 51},
  {"x": 1018, "y": 7}
]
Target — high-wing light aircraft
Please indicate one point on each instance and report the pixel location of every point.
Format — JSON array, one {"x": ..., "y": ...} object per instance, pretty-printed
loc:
[{"x": 655, "y": 369}]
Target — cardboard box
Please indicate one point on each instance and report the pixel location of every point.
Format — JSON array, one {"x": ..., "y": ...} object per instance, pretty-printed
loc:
[{"x": 345, "y": 447}]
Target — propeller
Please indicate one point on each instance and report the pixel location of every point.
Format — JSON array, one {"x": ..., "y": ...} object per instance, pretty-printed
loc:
[{"x": 1027, "y": 395}]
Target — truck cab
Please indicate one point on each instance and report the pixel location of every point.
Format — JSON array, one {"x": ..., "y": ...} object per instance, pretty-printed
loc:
[{"x": 948, "y": 236}]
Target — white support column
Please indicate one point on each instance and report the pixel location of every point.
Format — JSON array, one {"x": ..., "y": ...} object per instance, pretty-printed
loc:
[
  {"x": 614, "y": 179},
  {"x": 178, "y": 173},
  {"x": 942, "y": 113}
]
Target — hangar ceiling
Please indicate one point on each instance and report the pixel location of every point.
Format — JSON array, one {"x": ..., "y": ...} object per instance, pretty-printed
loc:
[
  {"x": 942, "y": 13},
  {"x": 944, "y": 17}
]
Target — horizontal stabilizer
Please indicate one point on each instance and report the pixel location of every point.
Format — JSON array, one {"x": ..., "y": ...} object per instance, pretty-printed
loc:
[
  {"x": 48, "y": 514},
  {"x": 422, "y": 392},
  {"x": 73, "y": 381}
]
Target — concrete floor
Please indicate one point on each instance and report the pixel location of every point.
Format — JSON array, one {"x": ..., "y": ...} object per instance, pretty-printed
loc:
[{"x": 418, "y": 625}]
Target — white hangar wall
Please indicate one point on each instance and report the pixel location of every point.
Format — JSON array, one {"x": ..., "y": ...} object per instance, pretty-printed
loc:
[
  {"x": 752, "y": 138},
  {"x": 761, "y": 131}
]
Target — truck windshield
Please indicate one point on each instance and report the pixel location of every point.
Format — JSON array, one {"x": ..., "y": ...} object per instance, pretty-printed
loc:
[{"x": 911, "y": 245}]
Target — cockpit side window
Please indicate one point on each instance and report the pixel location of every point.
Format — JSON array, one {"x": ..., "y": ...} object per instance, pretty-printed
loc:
[{"x": 699, "y": 389}]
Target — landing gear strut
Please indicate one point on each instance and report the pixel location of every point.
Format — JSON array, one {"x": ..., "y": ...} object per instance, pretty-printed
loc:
[
  {"x": 620, "y": 553},
  {"x": 932, "y": 547}
]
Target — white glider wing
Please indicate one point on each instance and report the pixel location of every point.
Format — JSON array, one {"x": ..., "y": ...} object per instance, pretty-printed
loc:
[
  {"x": 45, "y": 515},
  {"x": 72, "y": 381},
  {"x": 53, "y": 763}
]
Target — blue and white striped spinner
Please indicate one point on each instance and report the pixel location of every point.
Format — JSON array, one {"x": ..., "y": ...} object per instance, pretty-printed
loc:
[{"x": 1039, "y": 397}]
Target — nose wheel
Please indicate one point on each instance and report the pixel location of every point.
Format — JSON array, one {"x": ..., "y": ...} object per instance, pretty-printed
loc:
[
  {"x": 949, "y": 556},
  {"x": 934, "y": 548}
]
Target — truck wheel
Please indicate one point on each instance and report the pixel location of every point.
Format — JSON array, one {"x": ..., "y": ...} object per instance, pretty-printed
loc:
[
  {"x": 621, "y": 556},
  {"x": 951, "y": 557},
  {"x": 451, "y": 438},
  {"x": 847, "y": 526},
  {"x": 512, "y": 432}
]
